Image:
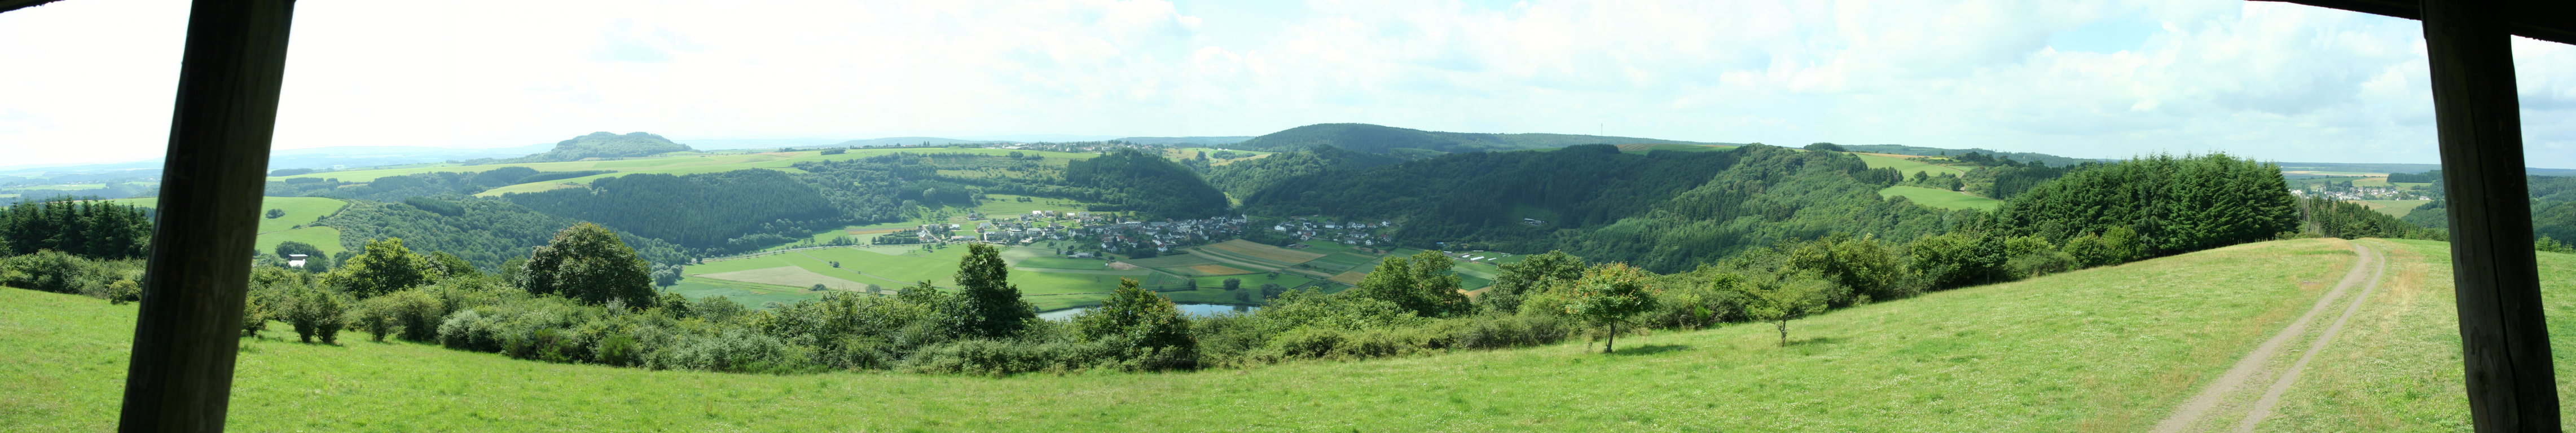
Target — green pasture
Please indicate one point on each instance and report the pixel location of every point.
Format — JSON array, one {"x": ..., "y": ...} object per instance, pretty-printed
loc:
[
  {"x": 748, "y": 294},
  {"x": 2110, "y": 349},
  {"x": 2395, "y": 208},
  {"x": 1940, "y": 198},
  {"x": 1908, "y": 166},
  {"x": 326, "y": 238}
]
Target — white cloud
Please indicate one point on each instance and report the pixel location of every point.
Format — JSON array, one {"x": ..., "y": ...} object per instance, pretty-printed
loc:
[{"x": 2260, "y": 79}]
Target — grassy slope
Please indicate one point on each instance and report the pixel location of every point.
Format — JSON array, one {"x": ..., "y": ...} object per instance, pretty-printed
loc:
[
  {"x": 299, "y": 211},
  {"x": 2395, "y": 208},
  {"x": 674, "y": 164},
  {"x": 1909, "y": 167},
  {"x": 2099, "y": 350},
  {"x": 2396, "y": 367},
  {"x": 1940, "y": 198}
]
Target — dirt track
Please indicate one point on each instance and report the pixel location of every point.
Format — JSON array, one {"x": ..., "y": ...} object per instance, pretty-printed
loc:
[{"x": 2241, "y": 378}]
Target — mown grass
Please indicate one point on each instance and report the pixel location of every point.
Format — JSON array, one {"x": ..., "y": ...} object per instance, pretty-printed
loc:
[
  {"x": 2397, "y": 365},
  {"x": 1940, "y": 198},
  {"x": 2108, "y": 349}
]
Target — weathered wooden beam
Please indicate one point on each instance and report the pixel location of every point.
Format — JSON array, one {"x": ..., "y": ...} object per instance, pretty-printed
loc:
[
  {"x": 180, "y": 377},
  {"x": 2505, "y": 339},
  {"x": 2548, "y": 20}
]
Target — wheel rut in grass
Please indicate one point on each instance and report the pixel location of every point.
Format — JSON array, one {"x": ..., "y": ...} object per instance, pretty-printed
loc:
[{"x": 2250, "y": 371}]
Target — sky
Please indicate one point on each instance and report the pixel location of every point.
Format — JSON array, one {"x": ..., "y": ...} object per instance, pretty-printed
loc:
[{"x": 92, "y": 80}]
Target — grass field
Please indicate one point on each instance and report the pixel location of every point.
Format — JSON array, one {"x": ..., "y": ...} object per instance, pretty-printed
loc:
[
  {"x": 299, "y": 210},
  {"x": 2395, "y": 208},
  {"x": 1265, "y": 252},
  {"x": 1907, "y": 166},
  {"x": 2397, "y": 365},
  {"x": 2109, "y": 349},
  {"x": 789, "y": 276},
  {"x": 1171, "y": 260},
  {"x": 891, "y": 267},
  {"x": 675, "y": 164},
  {"x": 325, "y": 237},
  {"x": 1940, "y": 198}
]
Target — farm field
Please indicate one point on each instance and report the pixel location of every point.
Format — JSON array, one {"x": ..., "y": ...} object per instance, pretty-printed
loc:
[
  {"x": 299, "y": 210},
  {"x": 1906, "y": 166},
  {"x": 891, "y": 267},
  {"x": 2029, "y": 356},
  {"x": 2395, "y": 208},
  {"x": 1940, "y": 198},
  {"x": 326, "y": 238},
  {"x": 675, "y": 164}
]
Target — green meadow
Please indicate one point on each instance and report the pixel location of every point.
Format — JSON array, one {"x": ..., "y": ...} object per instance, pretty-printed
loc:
[
  {"x": 1908, "y": 166},
  {"x": 2107, "y": 349},
  {"x": 1944, "y": 199},
  {"x": 2395, "y": 208}
]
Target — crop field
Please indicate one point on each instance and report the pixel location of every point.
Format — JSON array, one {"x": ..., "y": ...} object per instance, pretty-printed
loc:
[
  {"x": 1351, "y": 278},
  {"x": 1207, "y": 270},
  {"x": 789, "y": 276},
  {"x": 1940, "y": 198},
  {"x": 1170, "y": 261},
  {"x": 2108, "y": 349},
  {"x": 1341, "y": 261},
  {"x": 1265, "y": 252},
  {"x": 1063, "y": 263},
  {"x": 2395, "y": 208},
  {"x": 1907, "y": 166}
]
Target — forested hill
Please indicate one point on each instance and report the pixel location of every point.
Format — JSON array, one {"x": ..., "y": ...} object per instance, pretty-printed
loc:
[
  {"x": 1153, "y": 187},
  {"x": 605, "y": 145},
  {"x": 1243, "y": 178},
  {"x": 727, "y": 211},
  {"x": 1665, "y": 210},
  {"x": 1366, "y": 138},
  {"x": 485, "y": 231},
  {"x": 2553, "y": 209},
  {"x": 2053, "y": 160}
]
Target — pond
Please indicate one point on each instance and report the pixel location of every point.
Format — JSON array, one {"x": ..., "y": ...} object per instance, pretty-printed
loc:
[{"x": 1187, "y": 309}]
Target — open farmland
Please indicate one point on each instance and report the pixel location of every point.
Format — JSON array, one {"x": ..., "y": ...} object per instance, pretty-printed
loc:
[
  {"x": 2028, "y": 356},
  {"x": 674, "y": 164},
  {"x": 789, "y": 276},
  {"x": 1940, "y": 198},
  {"x": 1907, "y": 166},
  {"x": 1052, "y": 284},
  {"x": 2395, "y": 208},
  {"x": 299, "y": 210}
]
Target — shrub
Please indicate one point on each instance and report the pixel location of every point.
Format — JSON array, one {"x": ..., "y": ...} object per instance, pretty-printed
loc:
[
  {"x": 734, "y": 350},
  {"x": 317, "y": 313}
]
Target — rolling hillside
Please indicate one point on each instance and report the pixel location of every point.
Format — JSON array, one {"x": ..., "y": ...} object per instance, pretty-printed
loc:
[
  {"x": 2110, "y": 349},
  {"x": 1368, "y": 138}
]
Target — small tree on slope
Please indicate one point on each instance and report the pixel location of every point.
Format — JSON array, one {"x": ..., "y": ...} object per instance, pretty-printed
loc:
[{"x": 1607, "y": 296}]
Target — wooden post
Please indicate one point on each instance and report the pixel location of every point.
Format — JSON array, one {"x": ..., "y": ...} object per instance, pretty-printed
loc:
[
  {"x": 2512, "y": 387},
  {"x": 181, "y": 374}
]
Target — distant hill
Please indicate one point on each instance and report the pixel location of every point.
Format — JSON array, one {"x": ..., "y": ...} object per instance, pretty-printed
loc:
[
  {"x": 1186, "y": 140},
  {"x": 2053, "y": 160},
  {"x": 605, "y": 145},
  {"x": 907, "y": 141},
  {"x": 1366, "y": 138}
]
